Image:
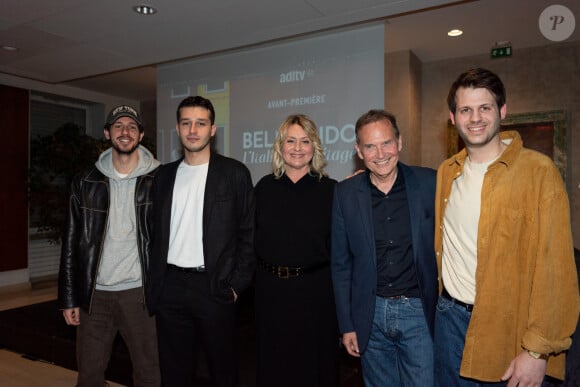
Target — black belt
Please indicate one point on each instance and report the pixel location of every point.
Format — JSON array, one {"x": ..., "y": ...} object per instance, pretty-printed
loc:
[
  {"x": 401, "y": 297},
  {"x": 198, "y": 269},
  {"x": 468, "y": 307},
  {"x": 291, "y": 271}
]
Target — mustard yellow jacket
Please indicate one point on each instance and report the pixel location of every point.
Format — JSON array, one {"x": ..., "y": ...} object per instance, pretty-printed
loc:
[{"x": 526, "y": 284}]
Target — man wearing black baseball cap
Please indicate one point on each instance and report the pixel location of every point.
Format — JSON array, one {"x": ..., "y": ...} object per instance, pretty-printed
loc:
[
  {"x": 124, "y": 111},
  {"x": 105, "y": 253}
]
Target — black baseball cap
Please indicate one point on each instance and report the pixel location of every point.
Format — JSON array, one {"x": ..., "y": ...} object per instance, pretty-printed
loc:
[{"x": 123, "y": 111}]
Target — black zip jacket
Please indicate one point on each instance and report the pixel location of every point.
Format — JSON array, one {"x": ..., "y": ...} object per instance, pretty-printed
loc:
[{"x": 84, "y": 235}]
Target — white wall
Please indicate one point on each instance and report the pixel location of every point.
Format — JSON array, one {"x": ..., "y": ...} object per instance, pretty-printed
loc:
[{"x": 109, "y": 101}]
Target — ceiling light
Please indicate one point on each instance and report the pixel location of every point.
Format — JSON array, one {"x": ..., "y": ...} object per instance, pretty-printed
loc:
[
  {"x": 144, "y": 9},
  {"x": 455, "y": 32},
  {"x": 9, "y": 48}
]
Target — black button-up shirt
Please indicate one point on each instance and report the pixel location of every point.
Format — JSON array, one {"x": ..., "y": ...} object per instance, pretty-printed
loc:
[{"x": 392, "y": 226}]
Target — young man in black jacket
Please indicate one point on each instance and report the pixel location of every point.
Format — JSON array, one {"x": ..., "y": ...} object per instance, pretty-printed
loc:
[
  {"x": 105, "y": 255},
  {"x": 202, "y": 251}
]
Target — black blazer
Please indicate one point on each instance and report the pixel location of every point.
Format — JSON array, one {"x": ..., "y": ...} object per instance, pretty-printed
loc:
[
  {"x": 353, "y": 265},
  {"x": 228, "y": 228}
]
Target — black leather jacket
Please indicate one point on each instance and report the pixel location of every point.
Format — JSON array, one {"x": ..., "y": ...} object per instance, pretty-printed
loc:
[{"x": 83, "y": 239}]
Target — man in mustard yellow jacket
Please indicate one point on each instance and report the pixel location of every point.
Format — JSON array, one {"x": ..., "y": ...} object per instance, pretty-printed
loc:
[{"x": 509, "y": 293}]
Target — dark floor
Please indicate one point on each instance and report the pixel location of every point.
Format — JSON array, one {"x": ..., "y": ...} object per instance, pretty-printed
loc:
[{"x": 40, "y": 332}]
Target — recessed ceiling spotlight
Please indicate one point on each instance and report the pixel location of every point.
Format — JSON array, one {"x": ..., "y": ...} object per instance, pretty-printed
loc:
[
  {"x": 455, "y": 32},
  {"x": 9, "y": 48},
  {"x": 145, "y": 9}
]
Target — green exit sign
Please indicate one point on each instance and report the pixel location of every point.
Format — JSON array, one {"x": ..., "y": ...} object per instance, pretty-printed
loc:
[{"x": 501, "y": 52}]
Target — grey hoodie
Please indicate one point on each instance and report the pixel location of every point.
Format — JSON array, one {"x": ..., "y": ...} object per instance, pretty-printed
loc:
[{"x": 120, "y": 267}]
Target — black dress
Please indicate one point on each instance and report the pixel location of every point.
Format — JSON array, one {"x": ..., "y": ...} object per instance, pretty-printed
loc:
[{"x": 296, "y": 328}]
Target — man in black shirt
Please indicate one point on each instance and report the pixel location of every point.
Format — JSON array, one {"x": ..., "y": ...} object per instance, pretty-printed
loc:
[{"x": 383, "y": 262}]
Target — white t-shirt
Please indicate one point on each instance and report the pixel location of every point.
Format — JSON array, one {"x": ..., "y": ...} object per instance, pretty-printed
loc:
[
  {"x": 460, "y": 227},
  {"x": 186, "y": 228}
]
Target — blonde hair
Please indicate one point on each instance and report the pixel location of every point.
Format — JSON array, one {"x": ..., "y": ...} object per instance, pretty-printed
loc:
[{"x": 318, "y": 161}]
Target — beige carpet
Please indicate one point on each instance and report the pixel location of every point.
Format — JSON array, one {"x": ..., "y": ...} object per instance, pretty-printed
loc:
[{"x": 16, "y": 371}]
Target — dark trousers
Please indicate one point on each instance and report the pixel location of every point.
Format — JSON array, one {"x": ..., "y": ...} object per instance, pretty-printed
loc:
[
  {"x": 189, "y": 319},
  {"x": 112, "y": 312}
]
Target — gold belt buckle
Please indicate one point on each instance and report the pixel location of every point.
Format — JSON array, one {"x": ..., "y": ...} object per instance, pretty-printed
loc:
[{"x": 281, "y": 270}]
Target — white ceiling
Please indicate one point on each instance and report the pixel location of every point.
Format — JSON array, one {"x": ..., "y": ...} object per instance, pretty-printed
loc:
[{"x": 104, "y": 46}]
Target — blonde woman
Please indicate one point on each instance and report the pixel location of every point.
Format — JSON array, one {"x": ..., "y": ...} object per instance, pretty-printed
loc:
[{"x": 296, "y": 327}]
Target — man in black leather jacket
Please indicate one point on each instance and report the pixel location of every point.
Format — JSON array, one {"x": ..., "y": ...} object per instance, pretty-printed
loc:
[{"x": 105, "y": 255}]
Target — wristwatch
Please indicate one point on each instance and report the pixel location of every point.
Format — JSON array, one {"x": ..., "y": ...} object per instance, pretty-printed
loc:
[{"x": 537, "y": 355}]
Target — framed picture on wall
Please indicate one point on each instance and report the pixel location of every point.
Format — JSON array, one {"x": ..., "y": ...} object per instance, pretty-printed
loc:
[{"x": 541, "y": 131}]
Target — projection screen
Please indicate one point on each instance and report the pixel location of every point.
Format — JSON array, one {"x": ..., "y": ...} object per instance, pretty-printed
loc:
[{"x": 331, "y": 77}]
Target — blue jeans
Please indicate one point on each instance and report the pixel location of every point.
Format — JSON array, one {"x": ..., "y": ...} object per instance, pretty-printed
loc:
[
  {"x": 400, "y": 348},
  {"x": 451, "y": 322}
]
